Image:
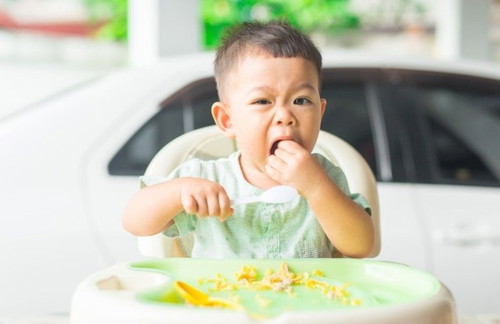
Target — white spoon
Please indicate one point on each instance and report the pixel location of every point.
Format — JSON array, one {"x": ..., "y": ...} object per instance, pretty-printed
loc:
[{"x": 273, "y": 195}]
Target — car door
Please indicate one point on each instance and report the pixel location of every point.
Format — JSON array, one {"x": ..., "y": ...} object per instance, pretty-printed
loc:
[
  {"x": 355, "y": 98},
  {"x": 454, "y": 127}
]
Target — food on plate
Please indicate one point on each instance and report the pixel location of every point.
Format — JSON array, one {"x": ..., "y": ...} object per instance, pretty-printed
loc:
[{"x": 272, "y": 288}]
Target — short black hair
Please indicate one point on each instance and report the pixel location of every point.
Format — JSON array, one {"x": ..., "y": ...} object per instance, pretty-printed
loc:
[{"x": 277, "y": 38}]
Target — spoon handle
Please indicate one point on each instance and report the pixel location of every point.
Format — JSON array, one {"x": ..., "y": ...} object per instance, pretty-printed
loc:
[{"x": 244, "y": 200}]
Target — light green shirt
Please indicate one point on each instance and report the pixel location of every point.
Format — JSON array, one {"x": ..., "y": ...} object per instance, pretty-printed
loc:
[{"x": 256, "y": 230}]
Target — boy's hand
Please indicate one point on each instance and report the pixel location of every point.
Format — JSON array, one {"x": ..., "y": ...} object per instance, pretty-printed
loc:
[
  {"x": 292, "y": 165},
  {"x": 205, "y": 198}
]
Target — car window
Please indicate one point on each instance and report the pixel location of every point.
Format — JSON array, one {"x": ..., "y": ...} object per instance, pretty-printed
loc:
[
  {"x": 346, "y": 116},
  {"x": 188, "y": 109},
  {"x": 460, "y": 127}
]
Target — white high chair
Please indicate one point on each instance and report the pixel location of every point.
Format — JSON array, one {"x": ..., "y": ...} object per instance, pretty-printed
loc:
[
  {"x": 109, "y": 296},
  {"x": 210, "y": 143}
]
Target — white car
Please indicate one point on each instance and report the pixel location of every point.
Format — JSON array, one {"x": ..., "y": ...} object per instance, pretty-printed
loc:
[{"x": 430, "y": 131}]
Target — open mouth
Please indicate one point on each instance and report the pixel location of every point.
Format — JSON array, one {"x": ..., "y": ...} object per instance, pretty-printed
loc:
[{"x": 274, "y": 147}]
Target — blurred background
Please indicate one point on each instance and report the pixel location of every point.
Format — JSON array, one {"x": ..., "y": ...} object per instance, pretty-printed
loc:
[
  {"x": 46, "y": 45},
  {"x": 49, "y": 46}
]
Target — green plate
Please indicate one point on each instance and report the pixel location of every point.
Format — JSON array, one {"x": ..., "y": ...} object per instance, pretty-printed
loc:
[{"x": 369, "y": 283}]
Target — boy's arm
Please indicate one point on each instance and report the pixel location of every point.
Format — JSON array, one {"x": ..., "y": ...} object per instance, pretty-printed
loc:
[
  {"x": 347, "y": 226},
  {"x": 153, "y": 208}
]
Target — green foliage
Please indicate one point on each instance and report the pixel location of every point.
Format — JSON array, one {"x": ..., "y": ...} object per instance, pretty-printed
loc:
[
  {"x": 323, "y": 16},
  {"x": 115, "y": 13}
]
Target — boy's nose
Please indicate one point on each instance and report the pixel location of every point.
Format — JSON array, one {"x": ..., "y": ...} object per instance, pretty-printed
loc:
[{"x": 284, "y": 116}]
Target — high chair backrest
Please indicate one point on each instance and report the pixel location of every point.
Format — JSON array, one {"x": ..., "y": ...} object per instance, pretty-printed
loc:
[{"x": 210, "y": 143}]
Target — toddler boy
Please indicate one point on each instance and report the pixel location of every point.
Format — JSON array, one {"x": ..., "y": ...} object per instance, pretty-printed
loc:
[{"x": 268, "y": 79}]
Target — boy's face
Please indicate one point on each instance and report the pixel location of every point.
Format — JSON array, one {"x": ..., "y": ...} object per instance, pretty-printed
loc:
[{"x": 268, "y": 100}]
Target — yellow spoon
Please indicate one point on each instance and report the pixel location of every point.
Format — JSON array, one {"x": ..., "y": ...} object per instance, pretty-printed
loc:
[{"x": 199, "y": 298}]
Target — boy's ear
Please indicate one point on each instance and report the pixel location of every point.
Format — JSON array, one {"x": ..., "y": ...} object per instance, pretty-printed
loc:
[
  {"x": 220, "y": 113},
  {"x": 323, "y": 106}
]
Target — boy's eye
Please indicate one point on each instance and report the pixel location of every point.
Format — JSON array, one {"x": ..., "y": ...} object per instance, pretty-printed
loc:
[
  {"x": 301, "y": 101},
  {"x": 261, "y": 102}
]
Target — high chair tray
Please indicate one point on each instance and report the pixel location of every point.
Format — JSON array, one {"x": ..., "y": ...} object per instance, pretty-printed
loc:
[{"x": 323, "y": 290}]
